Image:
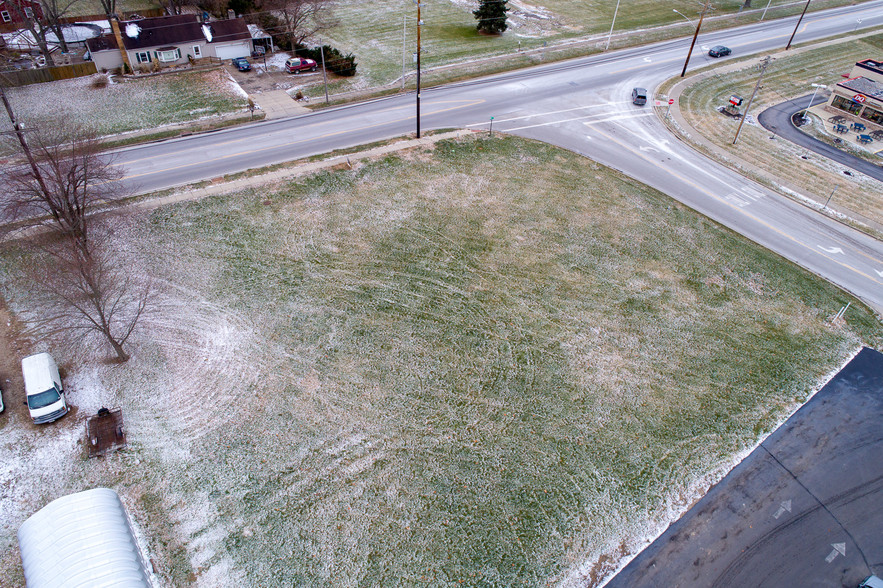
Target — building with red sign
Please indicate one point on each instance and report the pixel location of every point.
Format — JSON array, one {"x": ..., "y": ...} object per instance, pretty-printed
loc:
[{"x": 861, "y": 94}]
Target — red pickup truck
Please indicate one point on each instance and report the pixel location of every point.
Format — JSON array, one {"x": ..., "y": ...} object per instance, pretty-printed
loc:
[{"x": 299, "y": 64}]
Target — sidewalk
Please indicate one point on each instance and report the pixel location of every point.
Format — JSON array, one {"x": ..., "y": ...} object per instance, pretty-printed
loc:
[{"x": 278, "y": 104}]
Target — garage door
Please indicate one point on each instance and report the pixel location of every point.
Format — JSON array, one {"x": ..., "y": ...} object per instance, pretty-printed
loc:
[{"x": 231, "y": 51}]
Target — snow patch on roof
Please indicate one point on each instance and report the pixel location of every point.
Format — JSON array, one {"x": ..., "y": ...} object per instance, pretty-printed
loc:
[
  {"x": 207, "y": 31},
  {"x": 132, "y": 30}
]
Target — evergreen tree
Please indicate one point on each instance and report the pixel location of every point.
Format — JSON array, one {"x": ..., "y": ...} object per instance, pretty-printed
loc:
[{"x": 491, "y": 16}]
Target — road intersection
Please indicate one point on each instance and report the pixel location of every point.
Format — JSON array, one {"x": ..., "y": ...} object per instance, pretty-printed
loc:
[{"x": 581, "y": 105}]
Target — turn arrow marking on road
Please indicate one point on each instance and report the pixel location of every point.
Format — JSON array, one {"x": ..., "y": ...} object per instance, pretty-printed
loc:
[
  {"x": 785, "y": 507},
  {"x": 831, "y": 249},
  {"x": 838, "y": 548}
]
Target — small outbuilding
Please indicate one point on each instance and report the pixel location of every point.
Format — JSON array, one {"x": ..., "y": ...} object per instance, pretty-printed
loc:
[{"x": 82, "y": 540}]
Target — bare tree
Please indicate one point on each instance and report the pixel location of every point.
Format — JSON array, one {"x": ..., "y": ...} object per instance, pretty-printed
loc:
[
  {"x": 109, "y": 7},
  {"x": 54, "y": 11},
  {"x": 86, "y": 292},
  {"x": 37, "y": 29},
  {"x": 301, "y": 19},
  {"x": 62, "y": 190},
  {"x": 65, "y": 179}
]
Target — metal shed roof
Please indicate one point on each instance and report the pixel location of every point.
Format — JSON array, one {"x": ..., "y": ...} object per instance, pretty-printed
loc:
[{"x": 82, "y": 540}]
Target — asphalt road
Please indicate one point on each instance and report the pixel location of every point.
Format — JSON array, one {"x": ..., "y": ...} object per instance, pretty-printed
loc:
[
  {"x": 778, "y": 120},
  {"x": 804, "y": 509},
  {"x": 582, "y": 105}
]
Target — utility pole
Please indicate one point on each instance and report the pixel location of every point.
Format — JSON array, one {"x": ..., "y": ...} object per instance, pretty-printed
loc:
[
  {"x": 324, "y": 71},
  {"x": 788, "y": 46},
  {"x": 419, "y": 26},
  {"x": 610, "y": 34},
  {"x": 705, "y": 9},
  {"x": 404, "y": 35},
  {"x": 20, "y": 133},
  {"x": 763, "y": 65}
]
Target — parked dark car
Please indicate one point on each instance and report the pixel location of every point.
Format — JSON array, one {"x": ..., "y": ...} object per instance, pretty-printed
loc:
[
  {"x": 258, "y": 51},
  {"x": 719, "y": 51},
  {"x": 299, "y": 64},
  {"x": 241, "y": 64}
]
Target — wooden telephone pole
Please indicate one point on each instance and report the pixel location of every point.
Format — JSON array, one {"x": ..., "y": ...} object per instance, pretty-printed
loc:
[{"x": 705, "y": 8}]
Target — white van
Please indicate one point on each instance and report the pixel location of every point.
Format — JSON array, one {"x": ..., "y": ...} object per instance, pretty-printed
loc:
[{"x": 43, "y": 388}]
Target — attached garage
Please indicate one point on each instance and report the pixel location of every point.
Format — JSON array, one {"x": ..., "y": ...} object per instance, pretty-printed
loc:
[
  {"x": 83, "y": 540},
  {"x": 231, "y": 50}
]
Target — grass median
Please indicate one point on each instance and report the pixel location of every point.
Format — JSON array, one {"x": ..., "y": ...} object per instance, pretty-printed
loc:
[{"x": 788, "y": 76}]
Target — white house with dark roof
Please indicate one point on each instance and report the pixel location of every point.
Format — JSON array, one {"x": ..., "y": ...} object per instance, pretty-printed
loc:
[{"x": 168, "y": 41}]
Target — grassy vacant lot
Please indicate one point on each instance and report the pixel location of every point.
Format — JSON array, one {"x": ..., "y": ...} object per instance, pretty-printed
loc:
[
  {"x": 126, "y": 105},
  {"x": 485, "y": 364},
  {"x": 787, "y": 77}
]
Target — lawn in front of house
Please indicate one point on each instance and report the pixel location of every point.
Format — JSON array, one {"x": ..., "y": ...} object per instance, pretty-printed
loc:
[{"x": 125, "y": 104}]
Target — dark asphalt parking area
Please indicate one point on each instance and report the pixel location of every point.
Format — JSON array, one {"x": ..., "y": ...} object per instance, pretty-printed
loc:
[{"x": 805, "y": 508}]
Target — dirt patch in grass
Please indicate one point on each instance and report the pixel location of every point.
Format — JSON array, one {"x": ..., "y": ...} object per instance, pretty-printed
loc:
[{"x": 461, "y": 366}]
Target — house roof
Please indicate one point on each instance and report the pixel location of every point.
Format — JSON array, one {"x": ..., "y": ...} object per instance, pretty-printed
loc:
[
  {"x": 864, "y": 86},
  {"x": 102, "y": 43},
  {"x": 170, "y": 30}
]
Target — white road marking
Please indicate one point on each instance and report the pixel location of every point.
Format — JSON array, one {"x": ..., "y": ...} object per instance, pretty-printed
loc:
[
  {"x": 879, "y": 273},
  {"x": 533, "y": 115},
  {"x": 645, "y": 148},
  {"x": 735, "y": 199},
  {"x": 831, "y": 249},
  {"x": 582, "y": 118},
  {"x": 785, "y": 507},
  {"x": 839, "y": 548}
]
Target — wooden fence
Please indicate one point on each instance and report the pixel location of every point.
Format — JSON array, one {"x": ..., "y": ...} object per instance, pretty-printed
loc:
[{"x": 25, "y": 77}]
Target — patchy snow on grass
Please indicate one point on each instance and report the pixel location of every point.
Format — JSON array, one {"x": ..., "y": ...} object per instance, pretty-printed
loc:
[{"x": 128, "y": 104}]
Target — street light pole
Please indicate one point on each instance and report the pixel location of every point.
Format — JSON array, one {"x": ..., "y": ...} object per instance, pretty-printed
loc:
[
  {"x": 696, "y": 34},
  {"x": 808, "y": 106},
  {"x": 611, "y": 26},
  {"x": 788, "y": 46}
]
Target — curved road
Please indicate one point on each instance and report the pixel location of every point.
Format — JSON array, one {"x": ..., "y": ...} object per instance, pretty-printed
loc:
[
  {"x": 778, "y": 120},
  {"x": 582, "y": 105}
]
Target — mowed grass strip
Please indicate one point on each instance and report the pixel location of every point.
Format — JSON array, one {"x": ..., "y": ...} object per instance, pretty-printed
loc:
[
  {"x": 787, "y": 77},
  {"x": 481, "y": 364}
]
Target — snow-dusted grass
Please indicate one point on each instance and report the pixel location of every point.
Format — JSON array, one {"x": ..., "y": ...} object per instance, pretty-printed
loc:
[
  {"x": 373, "y": 31},
  {"x": 485, "y": 364},
  {"x": 126, "y": 105},
  {"x": 787, "y": 77}
]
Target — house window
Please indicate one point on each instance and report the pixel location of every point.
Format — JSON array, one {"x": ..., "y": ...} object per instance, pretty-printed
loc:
[
  {"x": 875, "y": 116},
  {"x": 29, "y": 12},
  {"x": 168, "y": 55},
  {"x": 197, "y": 52},
  {"x": 143, "y": 57},
  {"x": 6, "y": 16},
  {"x": 846, "y": 104}
]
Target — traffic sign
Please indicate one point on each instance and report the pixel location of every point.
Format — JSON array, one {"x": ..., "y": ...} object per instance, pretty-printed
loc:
[{"x": 671, "y": 101}]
